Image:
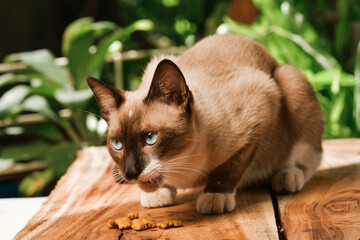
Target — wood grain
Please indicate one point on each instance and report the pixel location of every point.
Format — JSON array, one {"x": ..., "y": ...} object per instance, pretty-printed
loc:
[
  {"x": 329, "y": 205},
  {"x": 87, "y": 197}
]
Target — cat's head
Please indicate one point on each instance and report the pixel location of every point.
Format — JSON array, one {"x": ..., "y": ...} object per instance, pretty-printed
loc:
[{"x": 149, "y": 130}]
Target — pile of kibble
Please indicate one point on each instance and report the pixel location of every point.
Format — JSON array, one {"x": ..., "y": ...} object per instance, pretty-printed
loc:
[{"x": 133, "y": 221}]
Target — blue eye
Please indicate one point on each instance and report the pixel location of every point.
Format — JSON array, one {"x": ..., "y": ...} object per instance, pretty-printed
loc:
[
  {"x": 116, "y": 144},
  {"x": 151, "y": 138}
]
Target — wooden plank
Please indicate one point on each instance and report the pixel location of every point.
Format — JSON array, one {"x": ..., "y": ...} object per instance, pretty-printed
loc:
[
  {"x": 329, "y": 205},
  {"x": 87, "y": 197},
  {"x": 19, "y": 170}
]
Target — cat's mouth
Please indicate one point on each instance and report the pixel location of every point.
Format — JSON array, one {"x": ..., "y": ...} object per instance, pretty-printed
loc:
[{"x": 151, "y": 184}]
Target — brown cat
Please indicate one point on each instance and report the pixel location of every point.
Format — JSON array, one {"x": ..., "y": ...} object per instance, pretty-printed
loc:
[{"x": 223, "y": 115}]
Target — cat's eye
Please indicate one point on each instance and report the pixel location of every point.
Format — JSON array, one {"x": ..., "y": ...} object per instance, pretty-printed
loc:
[
  {"x": 151, "y": 138},
  {"x": 116, "y": 144}
]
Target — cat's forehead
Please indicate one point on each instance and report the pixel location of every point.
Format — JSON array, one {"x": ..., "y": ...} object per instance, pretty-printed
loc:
[
  {"x": 133, "y": 105},
  {"x": 137, "y": 115}
]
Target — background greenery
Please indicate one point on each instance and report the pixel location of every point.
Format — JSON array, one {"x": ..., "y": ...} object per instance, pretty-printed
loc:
[{"x": 315, "y": 37}]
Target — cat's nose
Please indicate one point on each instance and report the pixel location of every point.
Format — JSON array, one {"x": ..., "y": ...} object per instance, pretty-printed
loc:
[{"x": 131, "y": 173}]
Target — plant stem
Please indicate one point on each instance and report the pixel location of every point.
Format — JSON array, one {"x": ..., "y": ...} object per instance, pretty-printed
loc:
[
  {"x": 71, "y": 133},
  {"x": 79, "y": 121}
]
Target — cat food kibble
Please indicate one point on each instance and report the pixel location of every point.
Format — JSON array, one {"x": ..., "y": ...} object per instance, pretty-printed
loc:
[
  {"x": 138, "y": 224},
  {"x": 111, "y": 224},
  {"x": 169, "y": 223},
  {"x": 121, "y": 223},
  {"x": 133, "y": 215},
  {"x": 142, "y": 224}
]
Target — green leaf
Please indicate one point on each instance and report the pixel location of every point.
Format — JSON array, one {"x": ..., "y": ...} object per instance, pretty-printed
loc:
[
  {"x": 97, "y": 59},
  {"x": 45, "y": 130},
  {"x": 336, "y": 81},
  {"x": 10, "y": 101},
  {"x": 60, "y": 157},
  {"x": 342, "y": 26},
  {"x": 325, "y": 78},
  {"x": 12, "y": 78},
  {"x": 34, "y": 185},
  {"x": 74, "y": 99},
  {"x": 74, "y": 29},
  {"x": 322, "y": 57},
  {"x": 45, "y": 89},
  {"x": 78, "y": 38},
  {"x": 141, "y": 25},
  {"x": 25, "y": 152},
  {"x": 79, "y": 55},
  {"x": 337, "y": 108},
  {"x": 40, "y": 105},
  {"x": 42, "y": 61}
]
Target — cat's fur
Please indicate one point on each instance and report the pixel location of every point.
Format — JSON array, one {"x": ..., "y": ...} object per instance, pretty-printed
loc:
[{"x": 226, "y": 114}]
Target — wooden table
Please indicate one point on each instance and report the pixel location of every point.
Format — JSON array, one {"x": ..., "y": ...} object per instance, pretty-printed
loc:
[{"x": 86, "y": 198}]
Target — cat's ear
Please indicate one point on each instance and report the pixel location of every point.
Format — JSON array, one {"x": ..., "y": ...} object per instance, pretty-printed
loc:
[
  {"x": 108, "y": 97},
  {"x": 168, "y": 85}
]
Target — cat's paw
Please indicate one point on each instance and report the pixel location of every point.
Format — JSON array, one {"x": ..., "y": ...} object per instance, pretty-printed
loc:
[
  {"x": 288, "y": 180},
  {"x": 160, "y": 198},
  {"x": 215, "y": 203}
]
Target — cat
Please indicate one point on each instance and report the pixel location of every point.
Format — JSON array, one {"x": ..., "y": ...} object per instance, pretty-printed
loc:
[{"x": 223, "y": 115}]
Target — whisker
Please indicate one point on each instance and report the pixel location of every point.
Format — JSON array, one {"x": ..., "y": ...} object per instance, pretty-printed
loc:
[
  {"x": 199, "y": 171},
  {"x": 188, "y": 168},
  {"x": 187, "y": 156},
  {"x": 176, "y": 179},
  {"x": 83, "y": 110},
  {"x": 117, "y": 176},
  {"x": 179, "y": 171}
]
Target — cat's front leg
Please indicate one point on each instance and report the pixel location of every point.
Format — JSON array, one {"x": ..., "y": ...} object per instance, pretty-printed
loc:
[
  {"x": 163, "y": 196},
  {"x": 219, "y": 194}
]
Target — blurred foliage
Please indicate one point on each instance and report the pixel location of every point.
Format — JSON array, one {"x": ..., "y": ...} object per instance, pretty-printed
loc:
[
  {"x": 35, "y": 184},
  {"x": 176, "y": 22},
  {"x": 291, "y": 39},
  {"x": 46, "y": 88},
  {"x": 314, "y": 36}
]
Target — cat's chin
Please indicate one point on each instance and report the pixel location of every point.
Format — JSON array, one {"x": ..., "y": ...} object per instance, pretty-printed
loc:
[{"x": 150, "y": 185}]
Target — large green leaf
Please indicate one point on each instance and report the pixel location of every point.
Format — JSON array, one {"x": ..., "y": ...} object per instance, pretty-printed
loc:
[
  {"x": 97, "y": 59},
  {"x": 25, "y": 152},
  {"x": 79, "y": 50},
  {"x": 74, "y": 99},
  {"x": 60, "y": 156},
  {"x": 12, "y": 78},
  {"x": 77, "y": 40},
  {"x": 10, "y": 101},
  {"x": 44, "y": 89},
  {"x": 74, "y": 29},
  {"x": 42, "y": 61},
  {"x": 40, "y": 105},
  {"x": 78, "y": 55}
]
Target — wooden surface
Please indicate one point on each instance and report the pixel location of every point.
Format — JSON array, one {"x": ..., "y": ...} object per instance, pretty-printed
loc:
[
  {"x": 329, "y": 205},
  {"x": 87, "y": 197}
]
